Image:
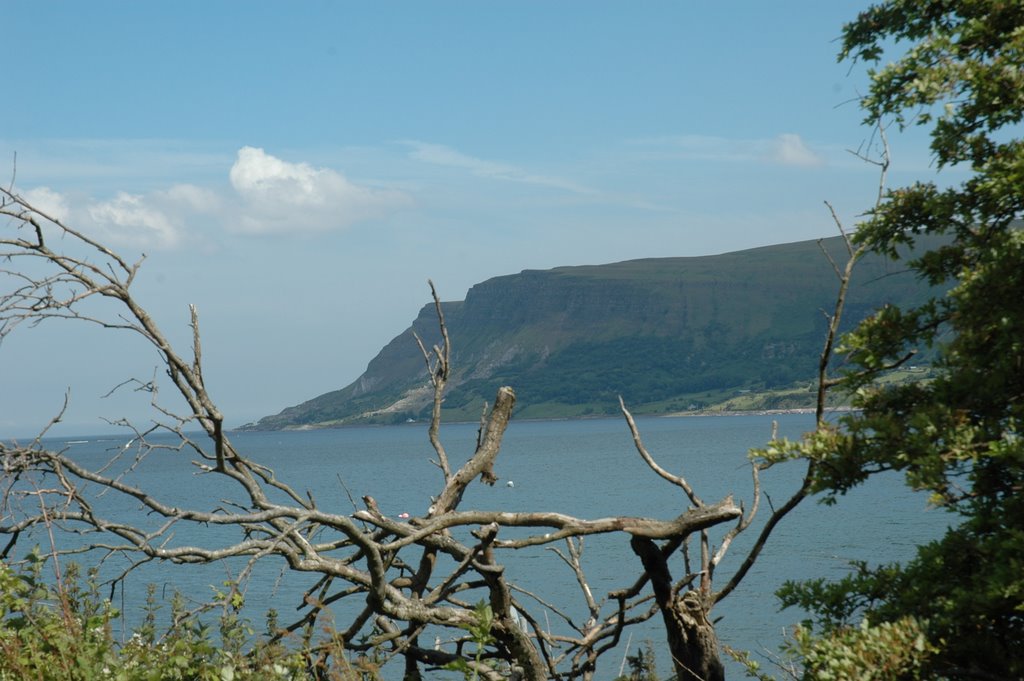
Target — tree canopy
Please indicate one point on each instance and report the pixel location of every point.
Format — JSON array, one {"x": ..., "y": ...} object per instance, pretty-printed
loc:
[{"x": 959, "y": 70}]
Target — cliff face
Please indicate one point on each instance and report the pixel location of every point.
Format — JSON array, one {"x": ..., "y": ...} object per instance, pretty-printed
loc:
[{"x": 665, "y": 333}]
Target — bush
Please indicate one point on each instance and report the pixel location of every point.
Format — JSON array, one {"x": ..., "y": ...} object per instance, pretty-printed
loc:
[{"x": 63, "y": 631}]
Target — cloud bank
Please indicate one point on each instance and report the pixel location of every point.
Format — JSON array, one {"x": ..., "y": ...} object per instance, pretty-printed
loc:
[
  {"x": 131, "y": 220},
  {"x": 258, "y": 193},
  {"x": 267, "y": 195}
]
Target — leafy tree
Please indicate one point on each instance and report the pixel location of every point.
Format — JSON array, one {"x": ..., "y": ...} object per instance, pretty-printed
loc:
[{"x": 961, "y": 73}]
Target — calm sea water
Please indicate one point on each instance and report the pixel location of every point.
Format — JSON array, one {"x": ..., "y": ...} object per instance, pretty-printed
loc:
[{"x": 584, "y": 468}]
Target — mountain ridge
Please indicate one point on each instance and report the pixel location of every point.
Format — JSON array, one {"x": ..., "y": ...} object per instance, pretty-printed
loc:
[{"x": 666, "y": 333}]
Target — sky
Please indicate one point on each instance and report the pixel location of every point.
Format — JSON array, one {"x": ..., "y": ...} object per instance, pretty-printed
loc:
[{"x": 298, "y": 171}]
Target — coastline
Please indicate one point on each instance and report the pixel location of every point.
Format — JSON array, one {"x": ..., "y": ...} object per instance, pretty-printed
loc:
[{"x": 757, "y": 412}]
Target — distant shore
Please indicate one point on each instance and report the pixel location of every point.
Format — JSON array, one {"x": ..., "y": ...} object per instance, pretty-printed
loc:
[
  {"x": 749, "y": 412},
  {"x": 675, "y": 414}
]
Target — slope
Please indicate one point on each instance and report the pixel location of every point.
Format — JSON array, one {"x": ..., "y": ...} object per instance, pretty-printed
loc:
[{"x": 666, "y": 333}]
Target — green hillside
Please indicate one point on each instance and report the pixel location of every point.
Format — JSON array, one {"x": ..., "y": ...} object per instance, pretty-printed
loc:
[{"x": 668, "y": 334}]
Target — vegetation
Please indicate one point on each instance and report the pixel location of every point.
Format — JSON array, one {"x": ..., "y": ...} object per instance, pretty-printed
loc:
[
  {"x": 957, "y": 435},
  {"x": 65, "y": 632},
  {"x": 642, "y": 666},
  {"x": 890, "y": 651}
]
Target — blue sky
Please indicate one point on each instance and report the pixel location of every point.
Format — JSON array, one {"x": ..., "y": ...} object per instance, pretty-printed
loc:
[{"x": 298, "y": 171}]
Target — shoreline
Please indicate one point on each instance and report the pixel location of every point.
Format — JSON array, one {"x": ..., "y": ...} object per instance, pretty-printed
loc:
[
  {"x": 753, "y": 412},
  {"x": 670, "y": 415}
]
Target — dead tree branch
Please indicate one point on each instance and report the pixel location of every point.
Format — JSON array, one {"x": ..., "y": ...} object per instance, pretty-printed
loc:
[{"x": 394, "y": 581}]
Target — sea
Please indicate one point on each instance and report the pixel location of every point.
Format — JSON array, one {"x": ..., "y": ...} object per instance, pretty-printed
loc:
[{"x": 584, "y": 468}]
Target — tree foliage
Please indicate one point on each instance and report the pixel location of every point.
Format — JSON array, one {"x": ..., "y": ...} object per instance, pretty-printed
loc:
[{"x": 960, "y": 71}]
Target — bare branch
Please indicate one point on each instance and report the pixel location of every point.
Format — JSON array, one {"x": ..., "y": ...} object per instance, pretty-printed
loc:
[
  {"x": 676, "y": 480},
  {"x": 439, "y": 370},
  {"x": 482, "y": 462},
  {"x": 407, "y": 576}
]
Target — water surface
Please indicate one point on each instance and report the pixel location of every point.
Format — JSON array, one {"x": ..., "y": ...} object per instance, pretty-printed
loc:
[{"x": 585, "y": 468}]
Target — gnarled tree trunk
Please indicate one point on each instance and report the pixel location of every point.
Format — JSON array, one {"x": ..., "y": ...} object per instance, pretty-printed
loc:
[{"x": 689, "y": 633}]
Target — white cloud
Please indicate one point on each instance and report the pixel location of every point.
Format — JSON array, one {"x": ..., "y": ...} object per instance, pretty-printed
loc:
[
  {"x": 439, "y": 154},
  {"x": 151, "y": 222},
  {"x": 269, "y": 196},
  {"x": 128, "y": 219},
  {"x": 790, "y": 150},
  {"x": 279, "y": 196},
  {"x": 48, "y": 202}
]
